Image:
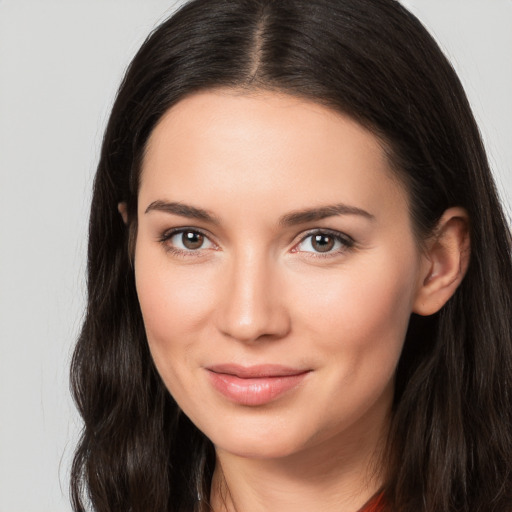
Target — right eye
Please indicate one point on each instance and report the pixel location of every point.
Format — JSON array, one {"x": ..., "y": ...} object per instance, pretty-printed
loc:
[{"x": 186, "y": 241}]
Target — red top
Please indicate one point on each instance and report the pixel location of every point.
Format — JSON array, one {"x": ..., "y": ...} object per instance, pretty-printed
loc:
[{"x": 376, "y": 504}]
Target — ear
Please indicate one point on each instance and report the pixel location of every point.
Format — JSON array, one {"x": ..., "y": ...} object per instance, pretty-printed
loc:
[
  {"x": 122, "y": 208},
  {"x": 445, "y": 262}
]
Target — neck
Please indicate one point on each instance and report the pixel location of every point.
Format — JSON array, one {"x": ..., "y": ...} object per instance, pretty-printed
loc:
[{"x": 338, "y": 475}]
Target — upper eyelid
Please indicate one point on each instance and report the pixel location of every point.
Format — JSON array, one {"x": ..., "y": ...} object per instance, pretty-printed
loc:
[
  {"x": 325, "y": 231},
  {"x": 168, "y": 233}
]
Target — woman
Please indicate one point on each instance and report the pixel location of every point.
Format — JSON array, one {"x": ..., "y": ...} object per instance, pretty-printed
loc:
[{"x": 300, "y": 281}]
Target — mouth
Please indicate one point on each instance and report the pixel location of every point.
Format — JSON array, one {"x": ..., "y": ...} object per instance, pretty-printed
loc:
[{"x": 255, "y": 385}]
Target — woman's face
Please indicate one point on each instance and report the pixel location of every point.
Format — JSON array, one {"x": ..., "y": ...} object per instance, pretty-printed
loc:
[{"x": 276, "y": 270}]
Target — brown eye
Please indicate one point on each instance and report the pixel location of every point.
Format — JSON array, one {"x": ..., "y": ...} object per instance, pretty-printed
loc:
[
  {"x": 192, "y": 240},
  {"x": 322, "y": 243},
  {"x": 325, "y": 242},
  {"x": 186, "y": 242}
]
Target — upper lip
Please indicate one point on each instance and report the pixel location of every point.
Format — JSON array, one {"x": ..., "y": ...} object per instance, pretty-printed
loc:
[{"x": 256, "y": 371}]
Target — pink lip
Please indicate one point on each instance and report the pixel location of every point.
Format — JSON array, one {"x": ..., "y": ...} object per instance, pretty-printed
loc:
[{"x": 254, "y": 385}]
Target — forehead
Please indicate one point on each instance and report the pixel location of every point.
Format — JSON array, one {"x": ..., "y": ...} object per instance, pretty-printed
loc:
[{"x": 264, "y": 147}]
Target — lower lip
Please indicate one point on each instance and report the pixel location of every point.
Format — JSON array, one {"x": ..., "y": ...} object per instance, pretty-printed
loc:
[{"x": 254, "y": 391}]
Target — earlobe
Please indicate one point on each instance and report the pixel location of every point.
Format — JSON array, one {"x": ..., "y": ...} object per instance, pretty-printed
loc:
[
  {"x": 122, "y": 208},
  {"x": 445, "y": 262}
]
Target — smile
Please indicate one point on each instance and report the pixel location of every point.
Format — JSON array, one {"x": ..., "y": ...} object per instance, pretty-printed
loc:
[{"x": 255, "y": 385}]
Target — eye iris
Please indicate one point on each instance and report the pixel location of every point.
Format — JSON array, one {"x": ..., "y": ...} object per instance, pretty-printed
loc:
[
  {"x": 322, "y": 243},
  {"x": 192, "y": 240}
]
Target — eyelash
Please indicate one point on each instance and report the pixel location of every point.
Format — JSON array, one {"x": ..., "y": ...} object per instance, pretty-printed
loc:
[
  {"x": 346, "y": 241},
  {"x": 164, "y": 239}
]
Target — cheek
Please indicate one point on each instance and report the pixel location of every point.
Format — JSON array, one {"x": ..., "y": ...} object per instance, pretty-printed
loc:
[
  {"x": 361, "y": 312},
  {"x": 355, "y": 324},
  {"x": 175, "y": 303}
]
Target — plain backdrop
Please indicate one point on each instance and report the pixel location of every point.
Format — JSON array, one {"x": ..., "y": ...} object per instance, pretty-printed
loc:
[{"x": 60, "y": 64}]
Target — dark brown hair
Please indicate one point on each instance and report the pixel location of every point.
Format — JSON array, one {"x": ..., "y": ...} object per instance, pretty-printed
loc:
[{"x": 450, "y": 446}]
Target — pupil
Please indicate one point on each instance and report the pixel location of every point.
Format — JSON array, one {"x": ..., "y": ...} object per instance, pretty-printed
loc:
[
  {"x": 192, "y": 240},
  {"x": 323, "y": 243}
]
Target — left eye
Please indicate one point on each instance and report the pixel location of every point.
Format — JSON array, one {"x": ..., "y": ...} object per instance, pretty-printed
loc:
[
  {"x": 323, "y": 243},
  {"x": 189, "y": 240}
]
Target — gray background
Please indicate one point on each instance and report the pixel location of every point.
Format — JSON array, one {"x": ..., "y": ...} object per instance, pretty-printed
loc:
[{"x": 60, "y": 64}]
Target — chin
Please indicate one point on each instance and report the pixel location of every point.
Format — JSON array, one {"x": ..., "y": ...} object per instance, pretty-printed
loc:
[
  {"x": 258, "y": 448},
  {"x": 264, "y": 442}
]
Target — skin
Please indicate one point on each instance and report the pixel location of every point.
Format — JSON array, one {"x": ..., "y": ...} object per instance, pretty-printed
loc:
[{"x": 258, "y": 291}]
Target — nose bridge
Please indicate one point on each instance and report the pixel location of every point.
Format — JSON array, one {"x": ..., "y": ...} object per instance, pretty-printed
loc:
[{"x": 252, "y": 307}]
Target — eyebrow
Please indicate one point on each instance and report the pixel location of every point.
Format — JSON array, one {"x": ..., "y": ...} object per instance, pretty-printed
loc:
[
  {"x": 290, "y": 219},
  {"x": 183, "y": 210},
  {"x": 323, "y": 212}
]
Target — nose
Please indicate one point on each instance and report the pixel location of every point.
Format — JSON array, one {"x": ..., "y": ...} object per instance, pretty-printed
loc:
[{"x": 252, "y": 305}]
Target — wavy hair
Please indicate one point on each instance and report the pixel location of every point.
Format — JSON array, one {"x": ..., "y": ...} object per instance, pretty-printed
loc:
[{"x": 450, "y": 442}]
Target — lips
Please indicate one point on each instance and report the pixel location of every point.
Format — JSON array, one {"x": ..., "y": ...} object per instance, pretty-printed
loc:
[{"x": 255, "y": 385}]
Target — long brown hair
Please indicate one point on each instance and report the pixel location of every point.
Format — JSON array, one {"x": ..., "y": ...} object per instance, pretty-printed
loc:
[{"x": 450, "y": 446}]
